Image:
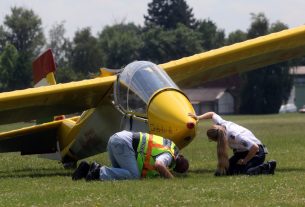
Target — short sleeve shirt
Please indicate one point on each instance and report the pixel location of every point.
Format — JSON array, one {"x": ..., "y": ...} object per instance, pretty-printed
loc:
[
  {"x": 166, "y": 158},
  {"x": 239, "y": 138}
]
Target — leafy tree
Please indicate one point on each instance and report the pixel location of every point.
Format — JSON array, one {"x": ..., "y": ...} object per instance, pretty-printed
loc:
[
  {"x": 2, "y": 38},
  {"x": 162, "y": 46},
  {"x": 168, "y": 13},
  {"x": 8, "y": 60},
  {"x": 235, "y": 37},
  {"x": 263, "y": 90},
  {"x": 211, "y": 36},
  {"x": 120, "y": 44},
  {"x": 25, "y": 31},
  {"x": 86, "y": 56},
  {"x": 259, "y": 25},
  {"x": 66, "y": 74},
  {"x": 60, "y": 45}
]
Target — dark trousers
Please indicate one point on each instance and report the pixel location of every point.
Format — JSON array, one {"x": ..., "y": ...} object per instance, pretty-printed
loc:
[{"x": 234, "y": 168}]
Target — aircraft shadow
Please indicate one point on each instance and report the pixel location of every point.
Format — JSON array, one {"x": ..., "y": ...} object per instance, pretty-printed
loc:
[{"x": 34, "y": 173}]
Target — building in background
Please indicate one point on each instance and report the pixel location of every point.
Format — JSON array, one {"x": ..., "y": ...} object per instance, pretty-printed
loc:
[
  {"x": 296, "y": 99},
  {"x": 218, "y": 100},
  {"x": 299, "y": 85}
]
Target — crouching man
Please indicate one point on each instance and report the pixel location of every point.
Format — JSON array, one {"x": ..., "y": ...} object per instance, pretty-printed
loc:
[{"x": 135, "y": 155}]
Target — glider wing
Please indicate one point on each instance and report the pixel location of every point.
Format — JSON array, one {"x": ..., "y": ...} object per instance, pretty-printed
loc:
[{"x": 237, "y": 58}]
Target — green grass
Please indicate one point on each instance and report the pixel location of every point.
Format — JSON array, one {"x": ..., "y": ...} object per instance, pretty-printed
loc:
[{"x": 31, "y": 181}]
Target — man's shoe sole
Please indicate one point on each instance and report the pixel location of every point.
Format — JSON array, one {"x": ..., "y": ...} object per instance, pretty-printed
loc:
[
  {"x": 81, "y": 171},
  {"x": 93, "y": 167}
]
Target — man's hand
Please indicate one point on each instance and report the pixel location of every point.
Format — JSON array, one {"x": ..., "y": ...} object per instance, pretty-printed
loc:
[
  {"x": 220, "y": 172},
  {"x": 163, "y": 170},
  {"x": 241, "y": 162},
  {"x": 252, "y": 152}
]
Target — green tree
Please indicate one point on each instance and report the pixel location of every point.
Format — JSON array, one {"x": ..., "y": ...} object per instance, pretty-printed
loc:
[
  {"x": 211, "y": 36},
  {"x": 60, "y": 45},
  {"x": 120, "y": 44},
  {"x": 86, "y": 55},
  {"x": 2, "y": 38},
  {"x": 66, "y": 74},
  {"x": 8, "y": 61},
  {"x": 169, "y": 13},
  {"x": 235, "y": 37},
  {"x": 164, "y": 45},
  {"x": 263, "y": 90},
  {"x": 62, "y": 50},
  {"x": 24, "y": 31}
]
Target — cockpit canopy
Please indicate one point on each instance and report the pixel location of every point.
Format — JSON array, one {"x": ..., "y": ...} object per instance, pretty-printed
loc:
[{"x": 136, "y": 85}]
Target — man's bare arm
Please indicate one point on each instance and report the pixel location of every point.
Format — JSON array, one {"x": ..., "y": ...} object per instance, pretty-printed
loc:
[
  {"x": 207, "y": 115},
  {"x": 163, "y": 170}
]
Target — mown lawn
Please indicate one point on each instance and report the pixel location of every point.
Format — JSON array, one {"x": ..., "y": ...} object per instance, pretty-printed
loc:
[{"x": 31, "y": 181}]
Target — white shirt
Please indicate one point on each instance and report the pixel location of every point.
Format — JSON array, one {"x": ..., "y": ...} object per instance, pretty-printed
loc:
[
  {"x": 166, "y": 158},
  {"x": 239, "y": 138}
]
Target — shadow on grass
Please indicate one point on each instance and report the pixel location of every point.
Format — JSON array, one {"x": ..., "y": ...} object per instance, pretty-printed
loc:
[
  {"x": 34, "y": 173},
  {"x": 290, "y": 169},
  {"x": 201, "y": 171},
  {"x": 287, "y": 169}
]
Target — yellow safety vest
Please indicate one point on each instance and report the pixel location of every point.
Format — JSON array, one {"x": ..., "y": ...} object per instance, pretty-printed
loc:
[{"x": 150, "y": 146}]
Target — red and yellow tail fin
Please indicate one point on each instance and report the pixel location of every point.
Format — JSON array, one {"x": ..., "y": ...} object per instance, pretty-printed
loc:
[
  {"x": 43, "y": 74},
  {"x": 44, "y": 69}
]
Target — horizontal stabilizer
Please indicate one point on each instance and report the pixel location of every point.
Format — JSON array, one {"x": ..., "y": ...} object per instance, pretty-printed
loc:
[{"x": 38, "y": 139}]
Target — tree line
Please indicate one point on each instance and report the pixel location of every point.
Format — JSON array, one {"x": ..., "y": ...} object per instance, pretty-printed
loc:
[{"x": 170, "y": 32}]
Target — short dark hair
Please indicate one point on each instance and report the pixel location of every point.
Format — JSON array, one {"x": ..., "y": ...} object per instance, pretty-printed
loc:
[{"x": 182, "y": 164}]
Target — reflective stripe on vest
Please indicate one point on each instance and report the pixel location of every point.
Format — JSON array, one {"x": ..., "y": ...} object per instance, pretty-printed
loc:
[{"x": 150, "y": 146}]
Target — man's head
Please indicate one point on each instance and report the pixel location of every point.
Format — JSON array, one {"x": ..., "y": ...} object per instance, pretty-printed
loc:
[
  {"x": 215, "y": 132},
  {"x": 182, "y": 164}
]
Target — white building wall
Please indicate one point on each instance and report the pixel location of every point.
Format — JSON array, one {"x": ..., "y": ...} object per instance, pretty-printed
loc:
[{"x": 225, "y": 103}]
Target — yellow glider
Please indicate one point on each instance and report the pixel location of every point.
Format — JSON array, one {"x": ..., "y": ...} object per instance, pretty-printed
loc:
[{"x": 143, "y": 97}]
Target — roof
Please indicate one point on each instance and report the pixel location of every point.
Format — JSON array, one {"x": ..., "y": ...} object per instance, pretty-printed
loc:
[{"x": 204, "y": 94}]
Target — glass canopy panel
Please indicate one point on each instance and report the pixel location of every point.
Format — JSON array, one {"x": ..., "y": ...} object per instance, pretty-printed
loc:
[{"x": 143, "y": 79}]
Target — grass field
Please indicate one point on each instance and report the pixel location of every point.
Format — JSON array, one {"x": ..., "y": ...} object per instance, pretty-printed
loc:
[{"x": 31, "y": 181}]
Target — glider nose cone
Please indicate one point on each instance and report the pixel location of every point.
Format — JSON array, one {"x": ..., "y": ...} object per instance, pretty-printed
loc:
[{"x": 168, "y": 117}]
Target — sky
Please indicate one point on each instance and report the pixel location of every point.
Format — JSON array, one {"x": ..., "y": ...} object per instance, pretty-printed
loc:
[{"x": 96, "y": 14}]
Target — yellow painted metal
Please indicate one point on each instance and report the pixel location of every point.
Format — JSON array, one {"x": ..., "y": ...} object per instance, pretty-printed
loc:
[
  {"x": 104, "y": 72},
  {"x": 69, "y": 138},
  {"x": 51, "y": 79},
  {"x": 51, "y": 100},
  {"x": 237, "y": 58},
  {"x": 168, "y": 117},
  {"x": 63, "y": 132},
  {"x": 30, "y": 130}
]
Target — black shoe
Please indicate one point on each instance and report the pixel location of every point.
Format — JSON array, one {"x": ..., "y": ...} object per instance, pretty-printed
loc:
[
  {"x": 257, "y": 170},
  {"x": 94, "y": 172},
  {"x": 272, "y": 166},
  {"x": 81, "y": 171}
]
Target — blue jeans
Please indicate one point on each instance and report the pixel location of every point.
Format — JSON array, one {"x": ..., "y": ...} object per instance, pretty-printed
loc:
[
  {"x": 235, "y": 168},
  {"x": 123, "y": 160}
]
